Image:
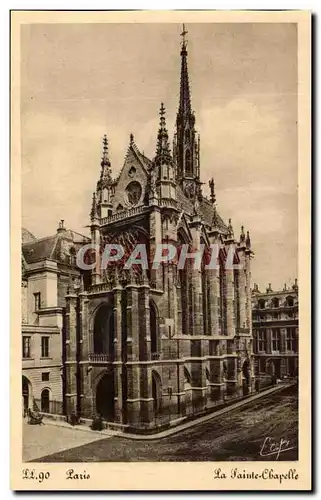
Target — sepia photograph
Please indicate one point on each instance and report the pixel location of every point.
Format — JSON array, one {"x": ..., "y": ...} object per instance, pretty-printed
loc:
[{"x": 160, "y": 285}]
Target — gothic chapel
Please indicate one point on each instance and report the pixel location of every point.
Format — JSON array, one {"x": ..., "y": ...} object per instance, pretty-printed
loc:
[{"x": 145, "y": 348}]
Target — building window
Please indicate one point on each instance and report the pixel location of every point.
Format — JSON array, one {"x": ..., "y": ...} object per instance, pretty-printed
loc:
[
  {"x": 45, "y": 377},
  {"x": 275, "y": 302},
  {"x": 261, "y": 304},
  {"x": 289, "y": 301},
  {"x": 45, "y": 347},
  {"x": 26, "y": 347},
  {"x": 37, "y": 298},
  {"x": 290, "y": 337},
  {"x": 276, "y": 340},
  {"x": 261, "y": 340}
]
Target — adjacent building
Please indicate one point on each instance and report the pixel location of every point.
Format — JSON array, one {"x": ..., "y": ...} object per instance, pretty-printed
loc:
[
  {"x": 276, "y": 330},
  {"x": 48, "y": 265}
]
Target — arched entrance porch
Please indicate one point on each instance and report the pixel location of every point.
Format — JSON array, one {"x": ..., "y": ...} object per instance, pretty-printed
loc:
[{"x": 105, "y": 394}]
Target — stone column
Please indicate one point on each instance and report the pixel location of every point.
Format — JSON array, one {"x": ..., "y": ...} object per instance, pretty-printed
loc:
[
  {"x": 196, "y": 280},
  {"x": 118, "y": 362},
  {"x": 268, "y": 336},
  {"x": 198, "y": 327},
  {"x": 242, "y": 292},
  {"x": 230, "y": 303},
  {"x": 71, "y": 353},
  {"x": 133, "y": 372},
  {"x": 296, "y": 341},
  {"x": 95, "y": 239},
  {"x": 283, "y": 340},
  {"x": 155, "y": 226},
  {"x": 214, "y": 300},
  {"x": 248, "y": 307},
  {"x": 86, "y": 396}
]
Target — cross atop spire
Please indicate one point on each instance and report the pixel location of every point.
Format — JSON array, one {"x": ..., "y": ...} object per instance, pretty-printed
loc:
[
  {"x": 183, "y": 35},
  {"x": 185, "y": 99}
]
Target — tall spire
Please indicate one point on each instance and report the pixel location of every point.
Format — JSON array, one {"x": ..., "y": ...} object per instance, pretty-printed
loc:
[
  {"x": 185, "y": 98},
  {"x": 105, "y": 185},
  {"x": 163, "y": 154},
  {"x": 187, "y": 144},
  {"x": 105, "y": 162}
]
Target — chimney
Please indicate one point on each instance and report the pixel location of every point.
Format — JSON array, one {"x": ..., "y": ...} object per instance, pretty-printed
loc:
[
  {"x": 256, "y": 287},
  {"x": 61, "y": 226},
  {"x": 269, "y": 289}
]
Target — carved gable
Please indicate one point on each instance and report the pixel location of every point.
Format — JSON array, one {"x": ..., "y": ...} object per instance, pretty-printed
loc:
[{"x": 131, "y": 184}]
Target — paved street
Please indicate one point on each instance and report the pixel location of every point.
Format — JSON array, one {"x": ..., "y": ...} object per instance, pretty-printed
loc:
[
  {"x": 40, "y": 440},
  {"x": 238, "y": 435}
]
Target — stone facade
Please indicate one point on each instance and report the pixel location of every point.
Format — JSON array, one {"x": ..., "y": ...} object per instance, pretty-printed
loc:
[
  {"x": 276, "y": 331},
  {"x": 48, "y": 264},
  {"x": 142, "y": 347}
]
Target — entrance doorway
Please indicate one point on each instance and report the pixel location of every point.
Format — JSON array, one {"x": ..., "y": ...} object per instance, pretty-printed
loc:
[
  {"x": 246, "y": 378},
  {"x": 26, "y": 393},
  {"x": 105, "y": 394},
  {"x": 45, "y": 401},
  {"x": 274, "y": 368}
]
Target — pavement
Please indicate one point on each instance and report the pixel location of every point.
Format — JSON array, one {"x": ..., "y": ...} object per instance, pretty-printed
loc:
[
  {"x": 250, "y": 431},
  {"x": 40, "y": 440},
  {"x": 172, "y": 430},
  {"x": 59, "y": 439}
]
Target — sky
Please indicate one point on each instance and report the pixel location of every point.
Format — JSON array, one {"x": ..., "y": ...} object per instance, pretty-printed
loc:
[{"x": 80, "y": 81}]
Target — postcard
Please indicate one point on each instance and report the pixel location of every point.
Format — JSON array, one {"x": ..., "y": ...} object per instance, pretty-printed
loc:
[{"x": 160, "y": 238}]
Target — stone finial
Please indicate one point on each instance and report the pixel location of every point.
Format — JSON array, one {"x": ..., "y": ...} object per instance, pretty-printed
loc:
[
  {"x": 163, "y": 154},
  {"x": 242, "y": 235},
  {"x": 93, "y": 212},
  {"x": 105, "y": 174},
  {"x": 248, "y": 240},
  {"x": 212, "y": 191},
  {"x": 105, "y": 158},
  {"x": 230, "y": 231}
]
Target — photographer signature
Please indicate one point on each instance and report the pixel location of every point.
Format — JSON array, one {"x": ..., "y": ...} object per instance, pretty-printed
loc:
[{"x": 271, "y": 447}]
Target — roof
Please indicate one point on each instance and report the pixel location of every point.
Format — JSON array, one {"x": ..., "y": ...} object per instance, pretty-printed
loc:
[
  {"x": 39, "y": 249},
  {"x": 27, "y": 236},
  {"x": 205, "y": 209},
  {"x": 50, "y": 246}
]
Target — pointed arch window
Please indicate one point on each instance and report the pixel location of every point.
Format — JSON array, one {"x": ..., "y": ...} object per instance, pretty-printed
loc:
[
  {"x": 154, "y": 338},
  {"x": 222, "y": 301},
  {"x": 188, "y": 162}
]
